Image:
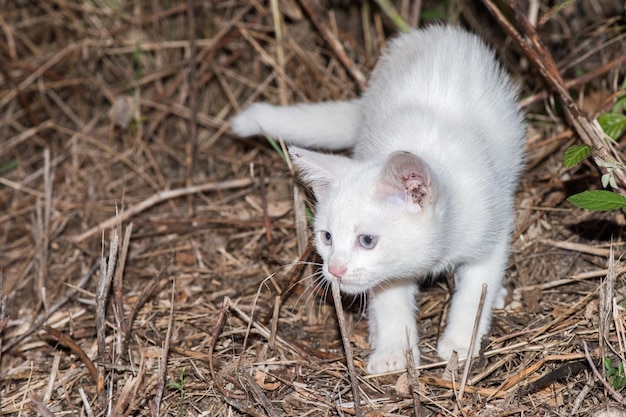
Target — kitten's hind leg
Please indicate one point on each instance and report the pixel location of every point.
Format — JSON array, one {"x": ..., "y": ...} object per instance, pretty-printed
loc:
[
  {"x": 393, "y": 330},
  {"x": 464, "y": 307},
  {"x": 330, "y": 125}
]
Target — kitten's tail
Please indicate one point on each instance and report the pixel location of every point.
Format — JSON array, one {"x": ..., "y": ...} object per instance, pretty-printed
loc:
[{"x": 329, "y": 125}]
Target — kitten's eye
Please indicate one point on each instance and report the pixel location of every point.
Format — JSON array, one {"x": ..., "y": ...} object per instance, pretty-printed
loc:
[
  {"x": 326, "y": 237},
  {"x": 367, "y": 241}
]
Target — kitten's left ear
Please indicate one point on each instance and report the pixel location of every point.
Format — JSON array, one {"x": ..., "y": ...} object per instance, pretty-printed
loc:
[
  {"x": 405, "y": 180},
  {"x": 319, "y": 170}
]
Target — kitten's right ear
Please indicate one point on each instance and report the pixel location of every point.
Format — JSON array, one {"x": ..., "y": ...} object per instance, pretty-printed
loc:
[
  {"x": 318, "y": 170},
  {"x": 405, "y": 180}
]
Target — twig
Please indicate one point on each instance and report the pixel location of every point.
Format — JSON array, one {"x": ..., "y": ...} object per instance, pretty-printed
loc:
[
  {"x": 40, "y": 407},
  {"x": 414, "y": 382},
  {"x": 448, "y": 384},
  {"x": 102, "y": 296},
  {"x": 32, "y": 117},
  {"x": 118, "y": 282},
  {"x": 274, "y": 321},
  {"x": 159, "y": 198},
  {"x": 391, "y": 12},
  {"x": 334, "y": 45},
  {"x": 266, "y": 216},
  {"x": 3, "y": 305},
  {"x": 142, "y": 299},
  {"x": 156, "y": 401},
  {"x": 85, "y": 401},
  {"x": 470, "y": 352},
  {"x": 343, "y": 327},
  {"x": 258, "y": 393},
  {"x": 263, "y": 331},
  {"x": 44, "y": 316},
  {"x": 616, "y": 395},
  {"x": 280, "y": 50},
  {"x": 243, "y": 408},
  {"x": 561, "y": 374},
  {"x": 69, "y": 343},
  {"x": 217, "y": 329},
  {"x": 589, "y": 384},
  {"x": 416, "y": 12},
  {"x": 583, "y": 79},
  {"x": 590, "y": 132},
  {"x": 606, "y": 294},
  {"x": 191, "y": 145}
]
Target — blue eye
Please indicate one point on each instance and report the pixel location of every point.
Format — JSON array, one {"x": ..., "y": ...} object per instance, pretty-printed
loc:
[
  {"x": 326, "y": 237},
  {"x": 367, "y": 241}
]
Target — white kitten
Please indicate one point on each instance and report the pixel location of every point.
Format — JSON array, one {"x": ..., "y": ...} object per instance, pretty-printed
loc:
[{"x": 438, "y": 144}]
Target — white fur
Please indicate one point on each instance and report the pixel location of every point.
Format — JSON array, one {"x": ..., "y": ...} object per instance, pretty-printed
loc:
[{"x": 440, "y": 95}]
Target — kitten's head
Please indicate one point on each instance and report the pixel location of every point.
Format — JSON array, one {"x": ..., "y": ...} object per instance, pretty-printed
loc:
[{"x": 374, "y": 219}]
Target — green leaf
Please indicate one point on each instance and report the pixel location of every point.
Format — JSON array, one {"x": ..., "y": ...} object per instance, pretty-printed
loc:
[
  {"x": 620, "y": 104},
  {"x": 575, "y": 154},
  {"x": 613, "y": 124},
  {"x": 275, "y": 145},
  {"x": 598, "y": 200}
]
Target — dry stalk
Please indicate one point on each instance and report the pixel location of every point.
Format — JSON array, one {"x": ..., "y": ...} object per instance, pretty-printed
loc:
[
  {"x": 217, "y": 329},
  {"x": 40, "y": 407},
  {"x": 347, "y": 347},
  {"x": 107, "y": 269},
  {"x": 266, "y": 216},
  {"x": 3, "y": 305},
  {"x": 126, "y": 400},
  {"x": 85, "y": 401},
  {"x": 413, "y": 382},
  {"x": 260, "y": 396},
  {"x": 118, "y": 287},
  {"x": 65, "y": 340},
  {"x": 274, "y": 321},
  {"x": 54, "y": 371},
  {"x": 470, "y": 352},
  {"x": 159, "y": 197},
  {"x": 191, "y": 144},
  {"x": 47, "y": 314},
  {"x": 387, "y": 7},
  {"x": 524, "y": 34},
  {"x": 616, "y": 395},
  {"x": 606, "y": 294},
  {"x": 155, "y": 403},
  {"x": 263, "y": 331},
  {"x": 144, "y": 296},
  {"x": 617, "y": 311},
  {"x": 280, "y": 50},
  {"x": 334, "y": 44}
]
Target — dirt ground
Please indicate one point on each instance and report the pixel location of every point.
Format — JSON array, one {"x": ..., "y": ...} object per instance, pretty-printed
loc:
[{"x": 153, "y": 264}]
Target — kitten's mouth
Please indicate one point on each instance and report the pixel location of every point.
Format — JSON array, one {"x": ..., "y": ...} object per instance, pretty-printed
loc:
[{"x": 351, "y": 287}]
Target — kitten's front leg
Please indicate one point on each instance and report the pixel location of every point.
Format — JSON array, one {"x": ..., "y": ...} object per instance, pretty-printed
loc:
[
  {"x": 469, "y": 279},
  {"x": 393, "y": 330}
]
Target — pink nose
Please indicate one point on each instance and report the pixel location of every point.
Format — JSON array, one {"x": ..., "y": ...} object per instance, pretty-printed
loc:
[{"x": 337, "y": 270}]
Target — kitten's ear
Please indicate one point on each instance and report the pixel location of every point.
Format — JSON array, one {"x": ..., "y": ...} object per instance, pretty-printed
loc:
[
  {"x": 318, "y": 170},
  {"x": 405, "y": 180}
]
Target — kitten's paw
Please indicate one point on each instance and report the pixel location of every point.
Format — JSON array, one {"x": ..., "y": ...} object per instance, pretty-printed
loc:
[
  {"x": 448, "y": 344},
  {"x": 500, "y": 299},
  {"x": 250, "y": 121},
  {"x": 388, "y": 360}
]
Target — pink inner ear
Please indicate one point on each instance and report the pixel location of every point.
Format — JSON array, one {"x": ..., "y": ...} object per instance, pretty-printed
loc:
[{"x": 405, "y": 180}]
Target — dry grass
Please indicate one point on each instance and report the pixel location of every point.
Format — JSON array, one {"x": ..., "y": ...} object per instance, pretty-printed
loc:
[{"x": 115, "y": 114}]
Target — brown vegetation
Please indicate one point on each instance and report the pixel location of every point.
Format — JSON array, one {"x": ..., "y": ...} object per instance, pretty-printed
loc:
[{"x": 149, "y": 260}]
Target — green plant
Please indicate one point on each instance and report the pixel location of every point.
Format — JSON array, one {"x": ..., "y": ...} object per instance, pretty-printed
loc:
[
  {"x": 180, "y": 386},
  {"x": 615, "y": 375},
  {"x": 9, "y": 166},
  {"x": 276, "y": 146},
  {"x": 613, "y": 124}
]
